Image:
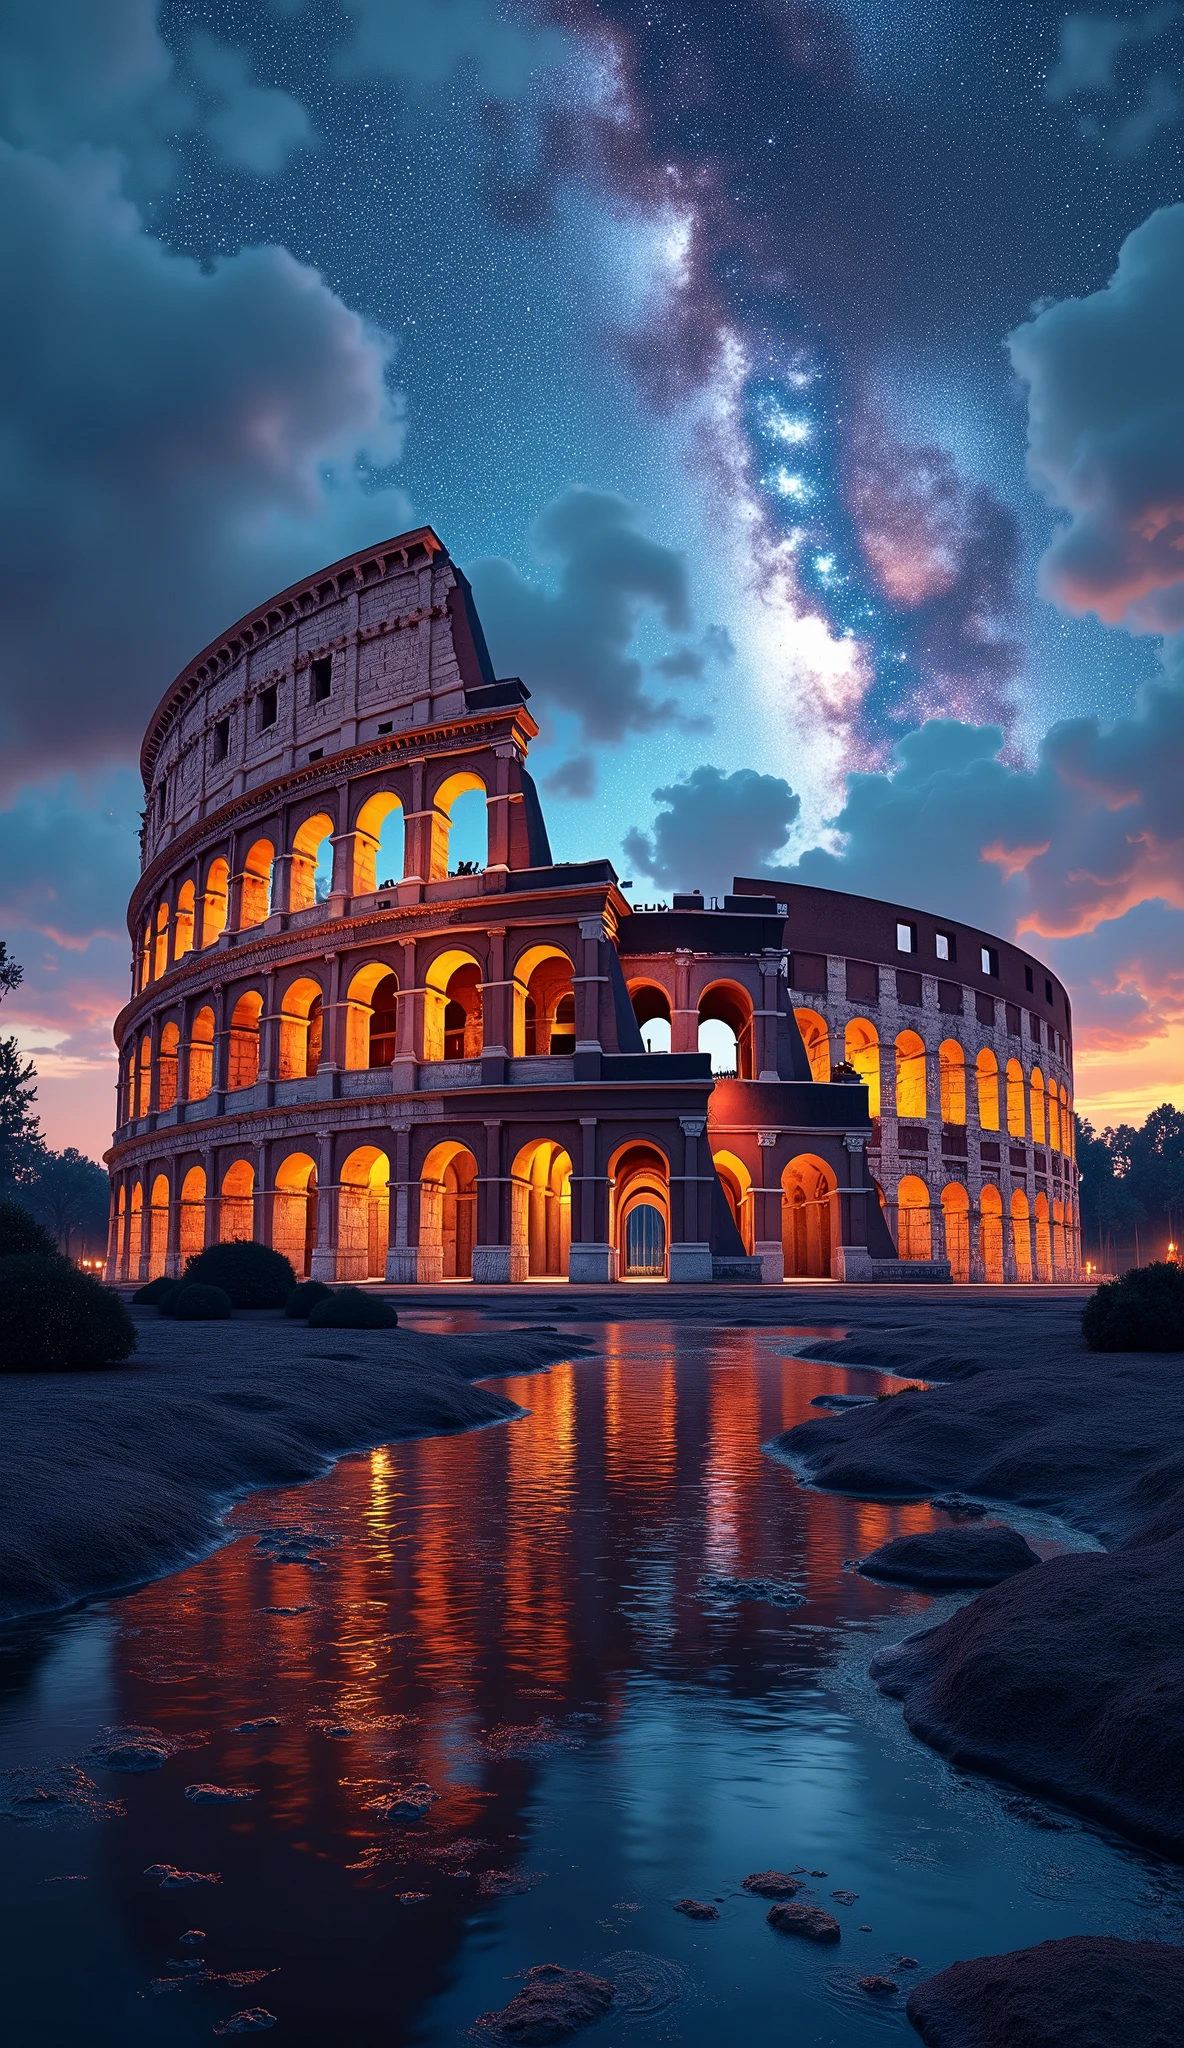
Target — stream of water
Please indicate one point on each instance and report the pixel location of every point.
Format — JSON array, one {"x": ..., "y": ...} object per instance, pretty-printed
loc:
[{"x": 539, "y": 1623}]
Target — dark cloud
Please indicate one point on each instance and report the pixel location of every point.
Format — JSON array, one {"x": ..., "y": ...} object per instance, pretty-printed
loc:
[
  {"x": 424, "y": 45},
  {"x": 575, "y": 777},
  {"x": 713, "y": 826},
  {"x": 76, "y": 72},
  {"x": 253, "y": 127},
  {"x": 1091, "y": 45},
  {"x": 572, "y": 647},
  {"x": 1105, "y": 378},
  {"x": 180, "y": 440}
]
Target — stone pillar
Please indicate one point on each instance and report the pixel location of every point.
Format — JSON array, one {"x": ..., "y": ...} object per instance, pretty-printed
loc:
[
  {"x": 684, "y": 1015},
  {"x": 974, "y": 1232},
  {"x": 766, "y": 1235},
  {"x": 764, "y": 1023},
  {"x": 172, "y": 1255},
  {"x": 497, "y": 1011},
  {"x": 154, "y": 1071},
  {"x": 111, "y": 1270},
  {"x": 221, "y": 1043},
  {"x": 410, "y": 1011},
  {"x": 592, "y": 1259},
  {"x": 417, "y": 831},
  {"x": 497, "y": 1260},
  {"x": 401, "y": 1263},
  {"x": 851, "y": 1259},
  {"x": 1010, "y": 1268},
  {"x": 341, "y": 886},
  {"x": 587, "y": 984},
  {"x": 690, "y": 1257},
  {"x": 333, "y": 1015},
  {"x": 497, "y": 808},
  {"x": 323, "y": 1263},
  {"x": 281, "y": 884},
  {"x": 269, "y": 1031}
]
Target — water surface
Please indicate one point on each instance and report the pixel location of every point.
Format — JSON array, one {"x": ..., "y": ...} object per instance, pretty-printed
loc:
[{"x": 529, "y": 1620}]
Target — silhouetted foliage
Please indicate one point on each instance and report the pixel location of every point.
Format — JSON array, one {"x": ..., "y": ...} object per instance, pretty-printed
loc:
[
  {"x": 350, "y": 1309},
  {"x": 1132, "y": 1176},
  {"x": 304, "y": 1298},
  {"x": 55, "y": 1319},
  {"x": 153, "y": 1292},
  {"x": 251, "y": 1274},
  {"x": 1144, "y": 1311},
  {"x": 21, "y": 1232},
  {"x": 195, "y": 1303}
]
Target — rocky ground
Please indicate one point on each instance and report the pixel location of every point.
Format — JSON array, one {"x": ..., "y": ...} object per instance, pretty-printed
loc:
[{"x": 109, "y": 1478}]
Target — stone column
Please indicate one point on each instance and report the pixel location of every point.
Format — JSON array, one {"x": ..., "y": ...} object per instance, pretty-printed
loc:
[
  {"x": 851, "y": 1259},
  {"x": 407, "y": 1037},
  {"x": 497, "y": 1261},
  {"x": 768, "y": 1246},
  {"x": 690, "y": 1257},
  {"x": 587, "y": 984},
  {"x": 269, "y": 1031},
  {"x": 684, "y": 1015},
  {"x": 974, "y": 1231},
  {"x": 221, "y": 1045},
  {"x": 172, "y": 1255},
  {"x": 401, "y": 1257},
  {"x": 333, "y": 1016},
  {"x": 281, "y": 884},
  {"x": 1010, "y": 1268},
  {"x": 111, "y": 1270},
  {"x": 497, "y": 806},
  {"x": 592, "y": 1259},
  {"x": 764, "y": 1023},
  {"x": 497, "y": 1012}
]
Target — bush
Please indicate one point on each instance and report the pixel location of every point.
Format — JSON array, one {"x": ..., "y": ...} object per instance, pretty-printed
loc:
[
  {"x": 166, "y": 1300},
  {"x": 195, "y": 1303},
  {"x": 304, "y": 1298},
  {"x": 350, "y": 1309},
  {"x": 1144, "y": 1311},
  {"x": 251, "y": 1274},
  {"x": 55, "y": 1319},
  {"x": 20, "y": 1232},
  {"x": 151, "y": 1295}
]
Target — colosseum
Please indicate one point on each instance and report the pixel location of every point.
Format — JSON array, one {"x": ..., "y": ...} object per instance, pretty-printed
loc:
[{"x": 375, "y": 1024}]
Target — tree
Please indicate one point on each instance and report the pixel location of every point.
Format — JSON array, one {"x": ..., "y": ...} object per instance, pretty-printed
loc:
[
  {"x": 70, "y": 1196},
  {"x": 1110, "y": 1209},
  {"x": 1157, "y": 1166},
  {"x": 20, "y": 1130}
]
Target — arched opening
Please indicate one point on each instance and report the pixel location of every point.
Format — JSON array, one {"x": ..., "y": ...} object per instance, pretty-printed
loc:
[
  {"x": 816, "y": 1039},
  {"x": 990, "y": 1234},
  {"x": 861, "y": 1050},
  {"x": 1016, "y": 1126},
  {"x": 911, "y": 1093},
  {"x": 201, "y": 1055},
  {"x": 651, "y": 1007},
  {"x": 193, "y": 1214},
  {"x": 161, "y": 956},
  {"x": 955, "y": 1206},
  {"x": 158, "y": 1226},
  {"x": 312, "y": 862},
  {"x": 146, "y": 955},
  {"x": 256, "y": 896},
  {"x": 639, "y": 1184},
  {"x": 236, "y": 1217},
  {"x": 807, "y": 1217},
  {"x": 736, "y": 1182},
  {"x": 144, "y": 1076},
  {"x": 1054, "y": 1117},
  {"x": 300, "y": 1030},
  {"x": 1021, "y": 1235},
  {"x": 1068, "y": 1125},
  {"x": 544, "y": 1004},
  {"x": 363, "y": 1215},
  {"x": 121, "y": 1266},
  {"x": 1060, "y": 1265},
  {"x": 986, "y": 1074},
  {"x": 951, "y": 1067},
  {"x": 914, "y": 1235},
  {"x": 452, "y": 1009},
  {"x": 129, "y": 1083},
  {"x": 183, "y": 923},
  {"x": 1036, "y": 1104},
  {"x": 725, "y": 1029},
  {"x": 294, "y": 1211},
  {"x": 214, "y": 901},
  {"x": 460, "y": 827},
  {"x": 448, "y": 1212},
  {"x": 170, "y": 1039},
  {"x": 1043, "y": 1239},
  {"x": 541, "y": 1208},
  {"x": 379, "y": 844},
  {"x": 371, "y": 1016},
  {"x": 135, "y": 1232},
  {"x": 242, "y": 1058}
]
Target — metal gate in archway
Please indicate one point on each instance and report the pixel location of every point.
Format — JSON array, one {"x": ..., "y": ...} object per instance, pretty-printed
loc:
[{"x": 645, "y": 1241}]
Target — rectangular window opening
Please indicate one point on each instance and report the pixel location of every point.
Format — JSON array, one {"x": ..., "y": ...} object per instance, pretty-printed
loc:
[
  {"x": 320, "y": 679},
  {"x": 1047, "y": 989},
  {"x": 1029, "y": 984},
  {"x": 222, "y": 739},
  {"x": 317, "y": 754},
  {"x": 990, "y": 961},
  {"x": 947, "y": 947},
  {"x": 906, "y": 938},
  {"x": 268, "y": 707},
  {"x": 387, "y": 727}
]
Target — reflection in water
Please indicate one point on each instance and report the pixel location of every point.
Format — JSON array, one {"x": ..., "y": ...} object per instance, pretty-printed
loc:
[{"x": 515, "y": 1618}]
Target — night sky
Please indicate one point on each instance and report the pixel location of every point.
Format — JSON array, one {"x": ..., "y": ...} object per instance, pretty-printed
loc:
[{"x": 801, "y": 386}]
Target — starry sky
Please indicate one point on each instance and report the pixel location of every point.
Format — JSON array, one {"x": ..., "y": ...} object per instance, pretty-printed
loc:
[{"x": 800, "y": 385}]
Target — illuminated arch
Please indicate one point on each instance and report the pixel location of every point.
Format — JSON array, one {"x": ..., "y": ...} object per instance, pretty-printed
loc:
[
  {"x": 1021, "y": 1235},
  {"x": 307, "y": 854},
  {"x": 236, "y": 1214},
  {"x": 911, "y": 1093},
  {"x": 300, "y": 1029},
  {"x": 160, "y": 958},
  {"x": 193, "y": 1213},
  {"x": 443, "y": 806},
  {"x": 374, "y": 841},
  {"x": 214, "y": 901},
  {"x": 158, "y": 1226},
  {"x": 135, "y": 1232},
  {"x": 1043, "y": 1239},
  {"x": 955, "y": 1203},
  {"x": 651, "y": 1007},
  {"x": 144, "y": 1076},
  {"x": 736, "y": 1182},
  {"x": 541, "y": 1208},
  {"x": 166, "y": 1059},
  {"x": 447, "y": 1212},
  {"x": 951, "y": 1069},
  {"x": 990, "y": 1231},
  {"x": 371, "y": 1016},
  {"x": 256, "y": 885},
  {"x": 861, "y": 1050},
  {"x": 1036, "y": 1103},
  {"x": 1060, "y": 1265},
  {"x": 986, "y": 1074},
  {"x": 1068, "y": 1124},
  {"x": 294, "y": 1210},
  {"x": 453, "y": 1014},
  {"x": 201, "y": 1055},
  {"x": 146, "y": 955},
  {"x": 1054, "y": 1116},
  {"x": 544, "y": 1003},
  {"x": 808, "y": 1217},
  {"x": 914, "y": 1231},
  {"x": 639, "y": 1188},
  {"x": 363, "y": 1214},
  {"x": 816, "y": 1039},
  {"x": 1016, "y": 1122},
  {"x": 183, "y": 922},
  {"x": 242, "y": 1060},
  {"x": 121, "y": 1235},
  {"x": 725, "y": 1029}
]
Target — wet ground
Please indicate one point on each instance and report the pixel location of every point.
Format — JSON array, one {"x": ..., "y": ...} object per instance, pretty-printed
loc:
[{"x": 516, "y": 1694}]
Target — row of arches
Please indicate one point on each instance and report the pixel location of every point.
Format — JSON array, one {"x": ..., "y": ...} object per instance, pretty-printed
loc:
[
  {"x": 1004, "y": 1099},
  {"x": 726, "y": 1025},
  {"x": 1041, "y": 1232},
  {"x": 374, "y": 856}
]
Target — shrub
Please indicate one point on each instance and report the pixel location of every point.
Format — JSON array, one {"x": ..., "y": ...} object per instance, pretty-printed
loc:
[
  {"x": 196, "y": 1303},
  {"x": 166, "y": 1300},
  {"x": 55, "y": 1319},
  {"x": 350, "y": 1309},
  {"x": 251, "y": 1274},
  {"x": 1144, "y": 1311},
  {"x": 20, "y": 1232},
  {"x": 304, "y": 1298},
  {"x": 150, "y": 1295}
]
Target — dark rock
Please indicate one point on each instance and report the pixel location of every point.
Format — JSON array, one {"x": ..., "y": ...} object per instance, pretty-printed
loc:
[
  {"x": 840, "y": 1401},
  {"x": 254, "y": 2019},
  {"x": 172, "y": 1880},
  {"x": 553, "y": 2004},
  {"x": 129, "y": 1756},
  {"x": 808, "y": 1921},
  {"x": 697, "y": 1909},
  {"x": 878, "y": 1987},
  {"x": 907, "y": 1963},
  {"x": 772, "y": 1884},
  {"x": 958, "y": 1504},
  {"x": 253, "y": 1727},
  {"x": 774, "y": 1592},
  {"x": 192, "y": 1937},
  {"x": 219, "y": 1795},
  {"x": 941, "y": 1558},
  {"x": 845, "y": 1898},
  {"x": 411, "y": 1803},
  {"x": 1086, "y": 1991}
]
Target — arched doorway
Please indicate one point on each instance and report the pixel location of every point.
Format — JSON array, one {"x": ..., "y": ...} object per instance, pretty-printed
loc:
[
  {"x": 242, "y": 1060},
  {"x": 990, "y": 1231},
  {"x": 447, "y": 1212},
  {"x": 158, "y": 1226},
  {"x": 1043, "y": 1239},
  {"x": 193, "y": 1214},
  {"x": 914, "y": 1237},
  {"x": 371, "y": 1016},
  {"x": 639, "y": 1180},
  {"x": 544, "y": 1020},
  {"x": 301, "y": 1029},
  {"x": 816, "y": 1040},
  {"x": 725, "y": 1030},
  {"x": 541, "y": 1214},
  {"x": 294, "y": 1211},
  {"x": 861, "y": 1050},
  {"x": 955, "y": 1207},
  {"x": 1021, "y": 1235},
  {"x": 363, "y": 1215},
  {"x": 807, "y": 1205},
  {"x": 651, "y": 1007},
  {"x": 453, "y": 1010},
  {"x": 237, "y": 1218},
  {"x": 736, "y": 1182}
]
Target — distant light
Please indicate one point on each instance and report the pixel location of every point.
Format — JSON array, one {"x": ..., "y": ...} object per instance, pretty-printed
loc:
[
  {"x": 788, "y": 486},
  {"x": 792, "y": 431}
]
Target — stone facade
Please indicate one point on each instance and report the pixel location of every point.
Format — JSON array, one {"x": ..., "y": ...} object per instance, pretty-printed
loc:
[{"x": 439, "y": 1072}]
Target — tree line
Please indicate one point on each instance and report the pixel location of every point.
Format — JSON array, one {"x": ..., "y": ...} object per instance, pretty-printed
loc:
[
  {"x": 1132, "y": 1188},
  {"x": 65, "y": 1191}
]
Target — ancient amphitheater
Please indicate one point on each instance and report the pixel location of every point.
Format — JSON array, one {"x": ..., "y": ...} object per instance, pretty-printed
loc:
[{"x": 394, "y": 1062}]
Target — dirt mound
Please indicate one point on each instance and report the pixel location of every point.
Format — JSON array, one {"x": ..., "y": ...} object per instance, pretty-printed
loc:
[
  {"x": 553, "y": 2004},
  {"x": 946, "y": 1558},
  {"x": 1087, "y": 1989}
]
